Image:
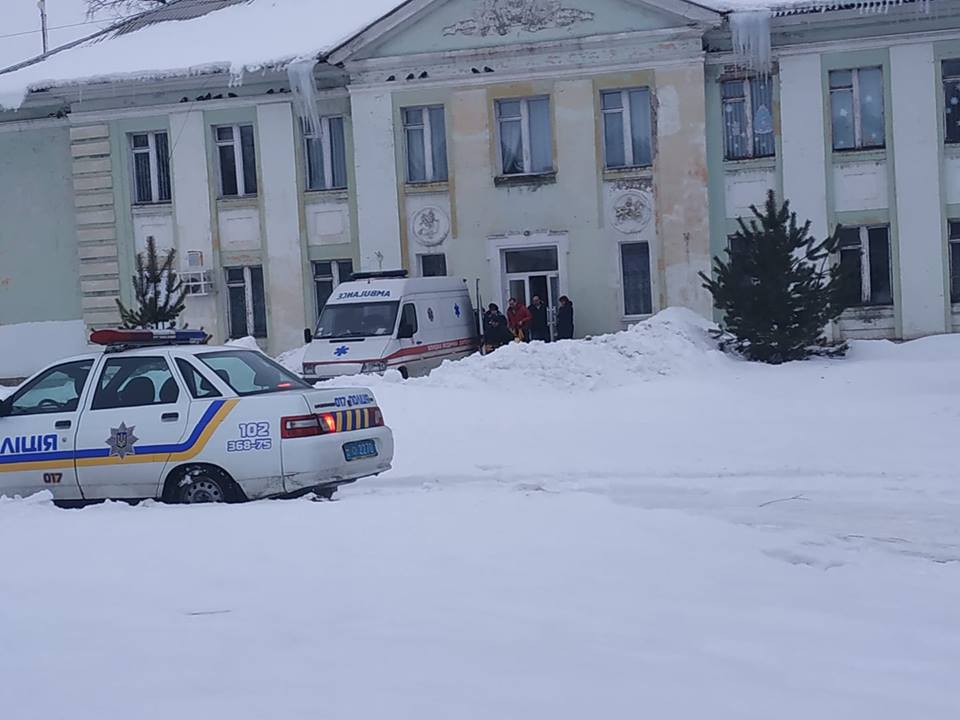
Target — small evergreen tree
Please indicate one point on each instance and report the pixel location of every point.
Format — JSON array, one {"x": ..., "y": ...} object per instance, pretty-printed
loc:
[
  {"x": 778, "y": 289},
  {"x": 159, "y": 291}
]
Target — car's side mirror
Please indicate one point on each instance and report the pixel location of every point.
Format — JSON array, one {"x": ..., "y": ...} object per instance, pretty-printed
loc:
[
  {"x": 5, "y": 407},
  {"x": 307, "y": 336},
  {"x": 405, "y": 332}
]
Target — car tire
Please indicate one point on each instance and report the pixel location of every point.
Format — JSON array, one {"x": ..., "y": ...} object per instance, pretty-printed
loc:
[
  {"x": 194, "y": 485},
  {"x": 404, "y": 373}
]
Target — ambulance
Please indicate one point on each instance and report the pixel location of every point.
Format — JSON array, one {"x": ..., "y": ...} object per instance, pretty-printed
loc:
[
  {"x": 160, "y": 414},
  {"x": 383, "y": 320}
]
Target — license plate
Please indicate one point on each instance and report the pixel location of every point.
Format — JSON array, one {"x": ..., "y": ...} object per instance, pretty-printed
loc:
[{"x": 359, "y": 450}]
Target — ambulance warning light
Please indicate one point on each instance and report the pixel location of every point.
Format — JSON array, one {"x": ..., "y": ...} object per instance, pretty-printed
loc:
[{"x": 141, "y": 338}]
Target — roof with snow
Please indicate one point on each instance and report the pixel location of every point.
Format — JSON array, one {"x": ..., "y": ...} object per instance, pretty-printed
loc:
[
  {"x": 193, "y": 37},
  {"x": 190, "y": 37}
]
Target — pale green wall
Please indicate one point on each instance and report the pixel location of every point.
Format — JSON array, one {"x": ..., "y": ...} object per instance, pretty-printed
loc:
[{"x": 39, "y": 267}]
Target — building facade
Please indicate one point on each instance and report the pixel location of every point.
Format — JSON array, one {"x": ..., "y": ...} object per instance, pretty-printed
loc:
[{"x": 598, "y": 150}]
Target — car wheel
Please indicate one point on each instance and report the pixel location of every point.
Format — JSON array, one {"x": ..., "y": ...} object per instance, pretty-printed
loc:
[
  {"x": 196, "y": 485},
  {"x": 404, "y": 373}
]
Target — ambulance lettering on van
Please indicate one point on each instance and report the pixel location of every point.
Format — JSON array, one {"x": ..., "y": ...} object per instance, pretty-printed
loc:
[{"x": 385, "y": 320}]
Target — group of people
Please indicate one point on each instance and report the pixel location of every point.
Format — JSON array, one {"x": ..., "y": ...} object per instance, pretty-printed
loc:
[{"x": 525, "y": 324}]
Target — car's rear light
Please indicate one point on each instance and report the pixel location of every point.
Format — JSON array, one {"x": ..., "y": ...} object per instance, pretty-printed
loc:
[
  {"x": 301, "y": 426},
  {"x": 332, "y": 422}
]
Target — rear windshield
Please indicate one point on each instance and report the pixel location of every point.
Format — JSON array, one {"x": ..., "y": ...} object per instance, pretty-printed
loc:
[
  {"x": 357, "y": 320},
  {"x": 251, "y": 373}
]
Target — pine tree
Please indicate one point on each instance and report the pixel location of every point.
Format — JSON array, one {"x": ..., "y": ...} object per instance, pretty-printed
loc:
[
  {"x": 159, "y": 292},
  {"x": 778, "y": 289}
]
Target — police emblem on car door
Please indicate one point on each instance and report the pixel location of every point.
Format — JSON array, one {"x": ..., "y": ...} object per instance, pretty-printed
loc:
[{"x": 121, "y": 441}]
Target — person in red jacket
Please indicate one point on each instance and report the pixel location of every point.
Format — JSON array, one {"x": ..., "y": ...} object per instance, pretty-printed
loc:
[{"x": 518, "y": 319}]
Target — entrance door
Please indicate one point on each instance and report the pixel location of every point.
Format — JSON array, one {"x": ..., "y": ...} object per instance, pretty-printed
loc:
[{"x": 530, "y": 272}]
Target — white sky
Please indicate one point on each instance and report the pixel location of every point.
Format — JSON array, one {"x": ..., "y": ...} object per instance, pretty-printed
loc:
[{"x": 21, "y": 20}]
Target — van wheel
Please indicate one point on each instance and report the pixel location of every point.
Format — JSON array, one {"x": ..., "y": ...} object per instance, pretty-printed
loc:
[
  {"x": 194, "y": 485},
  {"x": 404, "y": 373}
]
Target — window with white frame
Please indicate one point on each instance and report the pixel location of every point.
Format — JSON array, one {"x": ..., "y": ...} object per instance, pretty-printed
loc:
[
  {"x": 425, "y": 134},
  {"x": 526, "y": 137},
  {"x": 325, "y": 149},
  {"x": 637, "y": 286},
  {"x": 327, "y": 274},
  {"x": 955, "y": 261},
  {"x": 856, "y": 108},
  {"x": 626, "y": 128},
  {"x": 247, "y": 311},
  {"x": 236, "y": 153},
  {"x": 951, "y": 100},
  {"x": 865, "y": 265},
  {"x": 151, "y": 167},
  {"x": 433, "y": 265},
  {"x": 748, "y": 118}
]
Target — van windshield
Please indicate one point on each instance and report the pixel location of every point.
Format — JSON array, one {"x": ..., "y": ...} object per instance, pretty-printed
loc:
[{"x": 357, "y": 320}]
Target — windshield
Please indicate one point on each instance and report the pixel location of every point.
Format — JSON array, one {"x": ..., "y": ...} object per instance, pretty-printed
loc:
[
  {"x": 251, "y": 373},
  {"x": 357, "y": 320}
]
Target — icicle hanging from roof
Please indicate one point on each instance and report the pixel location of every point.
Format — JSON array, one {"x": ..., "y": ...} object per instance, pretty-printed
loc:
[
  {"x": 750, "y": 31},
  {"x": 304, "y": 90}
]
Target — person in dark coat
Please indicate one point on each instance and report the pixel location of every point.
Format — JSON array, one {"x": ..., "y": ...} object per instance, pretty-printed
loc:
[
  {"x": 565, "y": 319},
  {"x": 495, "y": 330},
  {"x": 539, "y": 325}
]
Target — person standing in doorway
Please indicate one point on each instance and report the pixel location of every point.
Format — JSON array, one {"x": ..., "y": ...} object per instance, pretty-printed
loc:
[
  {"x": 518, "y": 319},
  {"x": 565, "y": 319},
  {"x": 539, "y": 325}
]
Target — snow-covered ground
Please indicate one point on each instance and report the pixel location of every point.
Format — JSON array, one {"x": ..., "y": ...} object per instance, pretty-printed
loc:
[{"x": 630, "y": 526}]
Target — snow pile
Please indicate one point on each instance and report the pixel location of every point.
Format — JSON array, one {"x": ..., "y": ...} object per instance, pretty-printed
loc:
[
  {"x": 247, "y": 343},
  {"x": 27, "y": 347},
  {"x": 238, "y": 39},
  {"x": 673, "y": 341}
]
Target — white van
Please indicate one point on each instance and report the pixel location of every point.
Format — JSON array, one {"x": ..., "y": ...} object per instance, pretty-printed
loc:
[{"x": 386, "y": 320}]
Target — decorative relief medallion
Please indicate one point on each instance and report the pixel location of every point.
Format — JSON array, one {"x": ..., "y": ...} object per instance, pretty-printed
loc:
[
  {"x": 501, "y": 17},
  {"x": 430, "y": 226},
  {"x": 632, "y": 211}
]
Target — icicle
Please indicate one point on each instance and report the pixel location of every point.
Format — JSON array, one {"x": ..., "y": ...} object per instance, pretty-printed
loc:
[
  {"x": 304, "y": 89},
  {"x": 750, "y": 30}
]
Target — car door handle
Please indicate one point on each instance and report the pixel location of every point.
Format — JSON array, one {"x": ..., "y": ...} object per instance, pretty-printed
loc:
[
  {"x": 62, "y": 424},
  {"x": 169, "y": 417}
]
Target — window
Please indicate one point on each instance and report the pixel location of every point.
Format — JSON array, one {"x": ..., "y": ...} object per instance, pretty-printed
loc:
[
  {"x": 326, "y": 153},
  {"x": 135, "y": 382},
  {"x": 247, "y": 311},
  {"x": 356, "y": 320},
  {"x": 408, "y": 319},
  {"x": 327, "y": 274},
  {"x": 249, "y": 372},
  {"x": 635, "y": 265},
  {"x": 433, "y": 265},
  {"x": 955, "y": 261},
  {"x": 542, "y": 259},
  {"x": 55, "y": 391},
  {"x": 856, "y": 108},
  {"x": 196, "y": 383},
  {"x": 748, "y": 118},
  {"x": 526, "y": 140},
  {"x": 238, "y": 160},
  {"x": 626, "y": 128},
  {"x": 951, "y": 100},
  {"x": 425, "y": 132},
  {"x": 151, "y": 167},
  {"x": 865, "y": 265}
]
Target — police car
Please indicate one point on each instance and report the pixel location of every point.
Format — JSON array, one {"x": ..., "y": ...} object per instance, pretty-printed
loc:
[{"x": 160, "y": 414}]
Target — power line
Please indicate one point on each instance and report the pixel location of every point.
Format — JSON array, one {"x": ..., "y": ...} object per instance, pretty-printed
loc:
[{"x": 54, "y": 27}]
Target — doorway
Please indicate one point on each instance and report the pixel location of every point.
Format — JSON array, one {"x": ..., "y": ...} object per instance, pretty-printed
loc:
[{"x": 533, "y": 271}]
